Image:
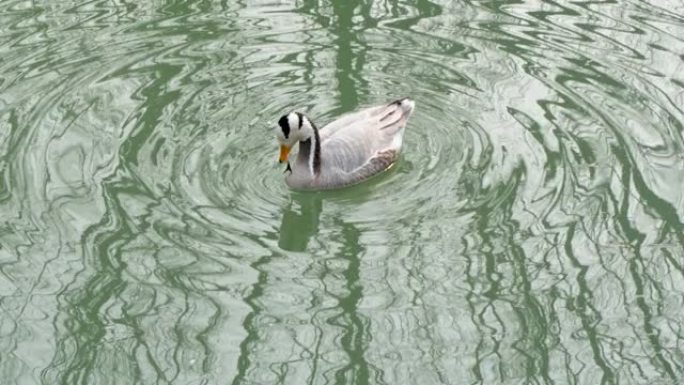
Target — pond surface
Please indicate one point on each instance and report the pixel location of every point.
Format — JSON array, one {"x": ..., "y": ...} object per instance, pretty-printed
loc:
[{"x": 531, "y": 233}]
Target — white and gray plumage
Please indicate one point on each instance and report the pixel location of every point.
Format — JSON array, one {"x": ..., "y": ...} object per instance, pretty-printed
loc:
[{"x": 347, "y": 151}]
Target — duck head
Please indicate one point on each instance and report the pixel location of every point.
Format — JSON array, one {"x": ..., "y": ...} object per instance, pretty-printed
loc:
[{"x": 292, "y": 128}]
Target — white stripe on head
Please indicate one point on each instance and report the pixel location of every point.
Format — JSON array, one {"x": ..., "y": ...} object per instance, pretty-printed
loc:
[
  {"x": 307, "y": 125},
  {"x": 306, "y": 120},
  {"x": 293, "y": 121}
]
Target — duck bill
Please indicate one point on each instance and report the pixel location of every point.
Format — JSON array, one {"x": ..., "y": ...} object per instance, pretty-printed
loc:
[{"x": 284, "y": 152}]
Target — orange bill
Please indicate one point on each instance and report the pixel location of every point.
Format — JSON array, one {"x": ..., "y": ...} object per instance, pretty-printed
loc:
[{"x": 284, "y": 151}]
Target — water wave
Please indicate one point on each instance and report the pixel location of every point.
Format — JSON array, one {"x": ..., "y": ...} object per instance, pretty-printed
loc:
[{"x": 530, "y": 231}]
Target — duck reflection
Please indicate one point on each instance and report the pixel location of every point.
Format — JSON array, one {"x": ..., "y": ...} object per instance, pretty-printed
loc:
[{"x": 300, "y": 221}]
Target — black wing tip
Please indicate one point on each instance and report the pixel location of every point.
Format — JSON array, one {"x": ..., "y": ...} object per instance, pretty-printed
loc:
[
  {"x": 406, "y": 104},
  {"x": 401, "y": 100}
]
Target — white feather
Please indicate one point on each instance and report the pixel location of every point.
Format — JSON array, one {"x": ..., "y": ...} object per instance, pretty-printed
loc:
[{"x": 293, "y": 121}]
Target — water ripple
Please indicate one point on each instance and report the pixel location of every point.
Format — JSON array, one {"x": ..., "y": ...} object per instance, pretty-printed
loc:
[{"x": 530, "y": 232}]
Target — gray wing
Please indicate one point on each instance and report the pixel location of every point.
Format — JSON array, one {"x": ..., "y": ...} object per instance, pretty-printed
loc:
[
  {"x": 360, "y": 145},
  {"x": 380, "y": 162},
  {"x": 371, "y": 121},
  {"x": 351, "y": 141}
]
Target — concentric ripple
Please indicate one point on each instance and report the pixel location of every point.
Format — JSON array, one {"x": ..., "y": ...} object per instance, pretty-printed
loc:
[{"x": 530, "y": 233}]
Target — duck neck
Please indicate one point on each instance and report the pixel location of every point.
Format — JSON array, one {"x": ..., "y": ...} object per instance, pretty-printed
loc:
[{"x": 310, "y": 152}]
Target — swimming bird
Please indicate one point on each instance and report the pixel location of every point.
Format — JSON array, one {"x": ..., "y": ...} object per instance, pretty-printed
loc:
[{"x": 348, "y": 150}]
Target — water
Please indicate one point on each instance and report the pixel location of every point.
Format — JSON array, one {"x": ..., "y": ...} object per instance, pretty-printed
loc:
[{"x": 531, "y": 233}]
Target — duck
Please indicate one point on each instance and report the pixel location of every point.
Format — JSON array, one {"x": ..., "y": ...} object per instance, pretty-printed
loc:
[{"x": 345, "y": 152}]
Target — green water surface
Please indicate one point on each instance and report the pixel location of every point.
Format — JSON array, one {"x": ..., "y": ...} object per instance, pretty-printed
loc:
[{"x": 531, "y": 233}]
